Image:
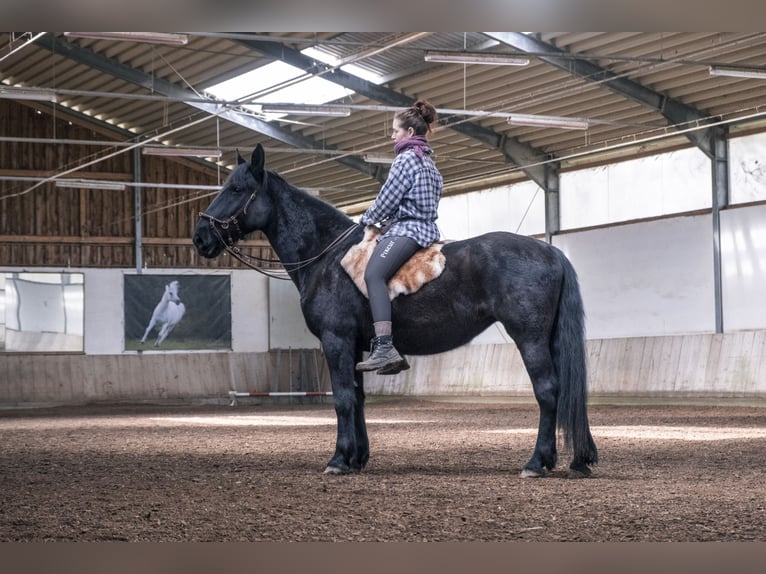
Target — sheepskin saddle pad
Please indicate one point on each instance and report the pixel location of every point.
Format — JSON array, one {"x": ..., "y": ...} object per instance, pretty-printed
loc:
[{"x": 422, "y": 267}]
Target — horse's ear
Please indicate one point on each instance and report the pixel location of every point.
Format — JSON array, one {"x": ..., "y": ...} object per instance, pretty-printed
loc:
[
  {"x": 257, "y": 160},
  {"x": 240, "y": 159}
]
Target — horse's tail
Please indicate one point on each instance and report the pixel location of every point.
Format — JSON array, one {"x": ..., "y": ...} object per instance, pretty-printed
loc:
[{"x": 570, "y": 359}]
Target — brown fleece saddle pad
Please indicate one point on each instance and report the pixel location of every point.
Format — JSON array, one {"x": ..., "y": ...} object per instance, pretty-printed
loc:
[{"x": 425, "y": 265}]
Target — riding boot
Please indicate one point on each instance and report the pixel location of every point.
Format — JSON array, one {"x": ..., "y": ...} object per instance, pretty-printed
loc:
[{"x": 383, "y": 354}]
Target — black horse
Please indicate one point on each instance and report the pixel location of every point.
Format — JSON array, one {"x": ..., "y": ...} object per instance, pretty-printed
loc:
[{"x": 526, "y": 284}]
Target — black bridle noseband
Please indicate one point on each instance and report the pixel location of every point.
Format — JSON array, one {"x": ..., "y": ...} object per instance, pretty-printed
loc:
[{"x": 229, "y": 242}]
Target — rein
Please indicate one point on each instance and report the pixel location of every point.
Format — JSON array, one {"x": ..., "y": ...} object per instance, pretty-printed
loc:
[
  {"x": 229, "y": 243},
  {"x": 237, "y": 253}
]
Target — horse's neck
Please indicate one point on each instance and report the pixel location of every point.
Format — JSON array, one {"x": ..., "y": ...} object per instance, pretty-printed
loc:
[
  {"x": 164, "y": 302},
  {"x": 303, "y": 226}
]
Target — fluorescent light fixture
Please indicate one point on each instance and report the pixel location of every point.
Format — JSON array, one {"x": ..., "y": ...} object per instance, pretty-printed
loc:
[
  {"x": 474, "y": 58},
  {"x": 738, "y": 72},
  {"x": 548, "y": 122},
  {"x": 381, "y": 159},
  {"x": 90, "y": 184},
  {"x": 149, "y": 37},
  {"x": 181, "y": 151},
  {"x": 307, "y": 110},
  {"x": 27, "y": 94}
]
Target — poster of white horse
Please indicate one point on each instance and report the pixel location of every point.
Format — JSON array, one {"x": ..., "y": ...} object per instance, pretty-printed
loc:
[
  {"x": 168, "y": 313},
  {"x": 206, "y": 321}
]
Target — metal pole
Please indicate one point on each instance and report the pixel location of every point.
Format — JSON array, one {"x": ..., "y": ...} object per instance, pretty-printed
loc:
[
  {"x": 137, "y": 212},
  {"x": 551, "y": 190},
  {"x": 720, "y": 172}
]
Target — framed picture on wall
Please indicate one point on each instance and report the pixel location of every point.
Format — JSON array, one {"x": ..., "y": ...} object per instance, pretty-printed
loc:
[{"x": 177, "y": 312}]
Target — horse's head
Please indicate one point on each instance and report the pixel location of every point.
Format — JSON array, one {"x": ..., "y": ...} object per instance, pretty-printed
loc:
[
  {"x": 171, "y": 290},
  {"x": 237, "y": 210}
]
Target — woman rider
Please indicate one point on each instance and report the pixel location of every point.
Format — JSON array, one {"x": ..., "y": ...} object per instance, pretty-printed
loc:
[{"x": 406, "y": 206}]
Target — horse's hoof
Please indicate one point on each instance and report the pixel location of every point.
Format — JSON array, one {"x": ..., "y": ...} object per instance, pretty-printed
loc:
[
  {"x": 579, "y": 472},
  {"x": 528, "y": 473},
  {"x": 334, "y": 470}
]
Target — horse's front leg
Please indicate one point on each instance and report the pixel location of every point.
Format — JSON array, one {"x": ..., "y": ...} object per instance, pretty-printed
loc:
[
  {"x": 352, "y": 449},
  {"x": 360, "y": 424},
  {"x": 162, "y": 335}
]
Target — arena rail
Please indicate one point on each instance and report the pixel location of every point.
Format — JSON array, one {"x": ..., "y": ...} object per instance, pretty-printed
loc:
[{"x": 233, "y": 395}]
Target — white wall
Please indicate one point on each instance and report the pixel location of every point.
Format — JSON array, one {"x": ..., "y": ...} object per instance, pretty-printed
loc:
[
  {"x": 743, "y": 262},
  {"x": 104, "y": 311},
  {"x": 643, "y": 279},
  {"x": 645, "y": 187},
  {"x": 249, "y": 311},
  {"x": 287, "y": 328},
  {"x": 518, "y": 208},
  {"x": 748, "y": 168}
]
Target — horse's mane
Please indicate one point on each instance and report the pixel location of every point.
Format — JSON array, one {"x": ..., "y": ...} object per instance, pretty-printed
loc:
[{"x": 326, "y": 209}]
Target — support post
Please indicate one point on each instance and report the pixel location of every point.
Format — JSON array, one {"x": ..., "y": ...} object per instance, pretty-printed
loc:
[
  {"x": 720, "y": 182},
  {"x": 551, "y": 189},
  {"x": 137, "y": 212}
]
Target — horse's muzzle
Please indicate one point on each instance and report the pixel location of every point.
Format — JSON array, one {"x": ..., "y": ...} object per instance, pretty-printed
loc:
[{"x": 206, "y": 243}]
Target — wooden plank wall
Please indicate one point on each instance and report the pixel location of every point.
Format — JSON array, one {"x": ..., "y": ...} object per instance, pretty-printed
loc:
[
  {"x": 80, "y": 379},
  {"x": 731, "y": 365},
  {"x": 57, "y": 227}
]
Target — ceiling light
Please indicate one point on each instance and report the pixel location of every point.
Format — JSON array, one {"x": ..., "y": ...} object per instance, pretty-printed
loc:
[
  {"x": 381, "y": 159},
  {"x": 27, "y": 94},
  {"x": 308, "y": 110},
  {"x": 181, "y": 151},
  {"x": 475, "y": 58},
  {"x": 149, "y": 37},
  {"x": 737, "y": 72},
  {"x": 548, "y": 122},
  {"x": 90, "y": 184}
]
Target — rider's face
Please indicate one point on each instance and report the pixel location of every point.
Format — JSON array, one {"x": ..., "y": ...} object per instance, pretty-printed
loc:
[{"x": 399, "y": 133}]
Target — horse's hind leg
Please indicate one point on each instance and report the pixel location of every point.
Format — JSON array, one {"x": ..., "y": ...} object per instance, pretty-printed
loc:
[
  {"x": 539, "y": 364},
  {"x": 148, "y": 330}
]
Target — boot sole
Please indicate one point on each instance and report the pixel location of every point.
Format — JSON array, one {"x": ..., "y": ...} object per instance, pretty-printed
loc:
[
  {"x": 395, "y": 369},
  {"x": 397, "y": 364}
]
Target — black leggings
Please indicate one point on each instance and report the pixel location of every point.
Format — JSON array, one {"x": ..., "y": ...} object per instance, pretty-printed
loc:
[{"x": 389, "y": 255}]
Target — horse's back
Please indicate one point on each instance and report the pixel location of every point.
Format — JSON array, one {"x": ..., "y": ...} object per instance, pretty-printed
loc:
[
  {"x": 501, "y": 259},
  {"x": 497, "y": 276}
]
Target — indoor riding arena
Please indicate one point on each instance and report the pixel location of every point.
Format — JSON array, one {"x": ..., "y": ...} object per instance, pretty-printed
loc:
[{"x": 152, "y": 392}]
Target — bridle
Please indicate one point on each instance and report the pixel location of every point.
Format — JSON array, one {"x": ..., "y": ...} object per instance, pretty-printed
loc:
[
  {"x": 219, "y": 227},
  {"x": 233, "y": 220}
]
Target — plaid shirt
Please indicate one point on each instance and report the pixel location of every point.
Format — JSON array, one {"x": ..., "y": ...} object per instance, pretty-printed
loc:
[{"x": 410, "y": 198}]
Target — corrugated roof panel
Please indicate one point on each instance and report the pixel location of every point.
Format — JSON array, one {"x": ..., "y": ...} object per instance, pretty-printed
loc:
[{"x": 675, "y": 64}]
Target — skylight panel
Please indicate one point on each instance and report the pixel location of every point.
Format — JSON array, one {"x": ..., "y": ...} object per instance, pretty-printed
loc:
[
  {"x": 278, "y": 82},
  {"x": 352, "y": 69}
]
